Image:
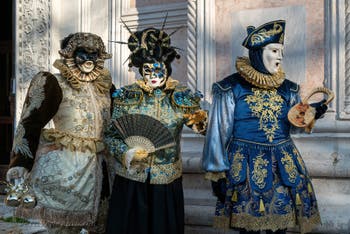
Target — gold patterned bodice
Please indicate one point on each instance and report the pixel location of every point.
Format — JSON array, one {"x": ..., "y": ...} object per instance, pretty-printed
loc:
[{"x": 83, "y": 112}]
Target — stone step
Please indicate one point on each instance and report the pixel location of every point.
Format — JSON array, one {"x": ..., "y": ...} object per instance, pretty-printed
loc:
[
  {"x": 333, "y": 200},
  {"x": 193, "y": 229},
  {"x": 202, "y": 216}
]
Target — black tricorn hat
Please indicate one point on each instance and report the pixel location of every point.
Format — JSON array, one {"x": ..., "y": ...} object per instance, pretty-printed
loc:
[{"x": 271, "y": 32}]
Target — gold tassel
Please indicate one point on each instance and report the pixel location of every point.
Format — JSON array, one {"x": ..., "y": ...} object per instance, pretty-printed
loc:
[
  {"x": 297, "y": 200},
  {"x": 309, "y": 187},
  {"x": 261, "y": 206},
  {"x": 234, "y": 197}
]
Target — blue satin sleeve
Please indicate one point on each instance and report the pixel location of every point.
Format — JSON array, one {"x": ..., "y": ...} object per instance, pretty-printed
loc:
[{"x": 221, "y": 120}]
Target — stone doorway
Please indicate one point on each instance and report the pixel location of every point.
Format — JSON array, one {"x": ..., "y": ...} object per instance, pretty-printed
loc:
[{"x": 7, "y": 97}]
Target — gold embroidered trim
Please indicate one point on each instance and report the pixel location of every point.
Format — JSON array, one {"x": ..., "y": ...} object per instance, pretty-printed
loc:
[
  {"x": 166, "y": 173},
  {"x": 262, "y": 144},
  {"x": 256, "y": 78},
  {"x": 49, "y": 215},
  {"x": 289, "y": 166},
  {"x": 214, "y": 176},
  {"x": 266, "y": 105},
  {"x": 170, "y": 84},
  {"x": 260, "y": 171},
  {"x": 135, "y": 103},
  {"x": 74, "y": 76},
  {"x": 271, "y": 222},
  {"x": 73, "y": 142},
  {"x": 20, "y": 144},
  {"x": 34, "y": 99},
  {"x": 222, "y": 222},
  {"x": 268, "y": 222},
  {"x": 264, "y": 223},
  {"x": 237, "y": 165},
  {"x": 263, "y": 35},
  {"x": 161, "y": 174},
  {"x": 307, "y": 224}
]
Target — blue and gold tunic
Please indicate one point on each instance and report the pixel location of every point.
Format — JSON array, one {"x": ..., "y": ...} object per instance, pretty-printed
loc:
[
  {"x": 168, "y": 105},
  {"x": 248, "y": 138}
]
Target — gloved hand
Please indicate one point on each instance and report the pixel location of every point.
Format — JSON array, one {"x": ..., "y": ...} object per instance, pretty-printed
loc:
[
  {"x": 219, "y": 189},
  {"x": 16, "y": 174},
  {"x": 320, "y": 107},
  {"x": 196, "y": 117},
  {"x": 134, "y": 154}
]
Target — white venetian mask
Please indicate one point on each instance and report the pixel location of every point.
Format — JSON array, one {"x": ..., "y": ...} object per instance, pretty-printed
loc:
[
  {"x": 272, "y": 57},
  {"x": 155, "y": 74},
  {"x": 86, "y": 61}
]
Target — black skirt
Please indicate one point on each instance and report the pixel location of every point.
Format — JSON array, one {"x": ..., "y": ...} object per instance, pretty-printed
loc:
[{"x": 144, "y": 208}]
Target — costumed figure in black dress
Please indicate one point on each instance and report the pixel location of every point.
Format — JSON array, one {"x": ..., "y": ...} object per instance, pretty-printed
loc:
[{"x": 147, "y": 196}]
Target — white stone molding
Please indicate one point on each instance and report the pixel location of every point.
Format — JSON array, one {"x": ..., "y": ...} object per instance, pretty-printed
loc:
[
  {"x": 153, "y": 16},
  {"x": 135, "y": 19},
  {"x": 347, "y": 60},
  {"x": 32, "y": 45},
  {"x": 206, "y": 48},
  {"x": 119, "y": 69},
  {"x": 192, "y": 44},
  {"x": 85, "y": 15},
  {"x": 335, "y": 43}
]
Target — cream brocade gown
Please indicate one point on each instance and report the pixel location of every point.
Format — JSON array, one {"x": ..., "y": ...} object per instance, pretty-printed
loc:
[{"x": 66, "y": 176}]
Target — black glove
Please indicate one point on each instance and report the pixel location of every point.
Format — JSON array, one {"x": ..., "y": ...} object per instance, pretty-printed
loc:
[
  {"x": 320, "y": 107},
  {"x": 219, "y": 189}
]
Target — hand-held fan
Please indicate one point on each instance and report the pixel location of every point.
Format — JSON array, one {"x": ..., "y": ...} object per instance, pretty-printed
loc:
[{"x": 138, "y": 130}]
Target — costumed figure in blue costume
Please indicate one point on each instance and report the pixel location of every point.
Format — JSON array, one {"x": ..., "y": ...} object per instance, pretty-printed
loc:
[
  {"x": 257, "y": 173},
  {"x": 147, "y": 196}
]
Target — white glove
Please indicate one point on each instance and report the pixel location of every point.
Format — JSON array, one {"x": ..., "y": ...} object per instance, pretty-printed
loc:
[
  {"x": 136, "y": 154},
  {"x": 16, "y": 175}
]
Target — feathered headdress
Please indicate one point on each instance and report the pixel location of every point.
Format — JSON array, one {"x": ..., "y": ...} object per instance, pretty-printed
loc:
[{"x": 151, "y": 45}]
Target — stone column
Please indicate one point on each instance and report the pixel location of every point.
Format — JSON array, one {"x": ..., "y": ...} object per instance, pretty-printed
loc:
[{"x": 32, "y": 45}]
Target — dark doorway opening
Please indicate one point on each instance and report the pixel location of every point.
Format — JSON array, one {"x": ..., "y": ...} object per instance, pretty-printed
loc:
[{"x": 6, "y": 95}]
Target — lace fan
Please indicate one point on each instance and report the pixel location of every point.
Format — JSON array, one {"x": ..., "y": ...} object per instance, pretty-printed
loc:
[{"x": 138, "y": 130}]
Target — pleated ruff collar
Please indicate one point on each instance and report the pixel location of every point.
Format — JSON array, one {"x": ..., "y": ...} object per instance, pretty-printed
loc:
[
  {"x": 99, "y": 76},
  {"x": 261, "y": 80}
]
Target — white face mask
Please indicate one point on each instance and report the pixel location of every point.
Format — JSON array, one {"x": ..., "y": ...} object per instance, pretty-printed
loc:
[
  {"x": 272, "y": 57},
  {"x": 155, "y": 74},
  {"x": 87, "y": 66},
  {"x": 85, "y": 60}
]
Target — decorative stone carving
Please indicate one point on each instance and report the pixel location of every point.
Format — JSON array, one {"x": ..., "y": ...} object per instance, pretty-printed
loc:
[
  {"x": 33, "y": 42},
  {"x": 347, "y": 57},
  {"x": 192, "y": 44}
]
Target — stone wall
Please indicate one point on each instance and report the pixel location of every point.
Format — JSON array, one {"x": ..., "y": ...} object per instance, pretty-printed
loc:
[{"x": 319, "y": 45}]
